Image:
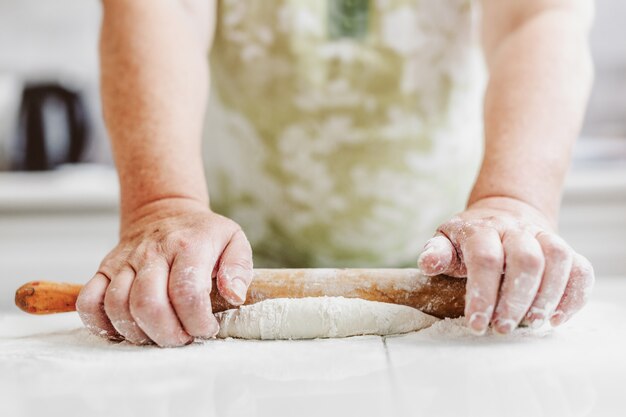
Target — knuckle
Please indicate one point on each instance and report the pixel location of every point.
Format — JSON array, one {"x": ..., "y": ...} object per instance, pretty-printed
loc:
[
  {"x": 147, "y": 267},
  {"x": 455, "y": 220},
  {"x": 530, "y": 261},
  {"x": 147, "y": 251},
  {"x": 187, "y": 292},
  {"x": 115, "y": 301},
  {"x": 238, "y": 232},
  {"x": 487, "y": 259},
  {"x": 182, "y": 245},
  {"x": 472, "y": 229},
  {"x": 229, "y": 224},
  {"x": 109, "y": 266},
  {"x": 557, "y": 253},
  {"x": 114, "y": 261},
  {"x": 88, "y": 303},
  {"x": 178, "y": 242},
  {"x": 238, "y": 263},
  {"x": 554, "y": 248},
  {"x": 182, "y": 242},
  {"x": 146, "y": 309}
]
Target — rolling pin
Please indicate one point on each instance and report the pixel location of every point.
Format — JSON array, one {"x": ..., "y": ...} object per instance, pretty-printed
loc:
[{"x": 440, "y": 296}]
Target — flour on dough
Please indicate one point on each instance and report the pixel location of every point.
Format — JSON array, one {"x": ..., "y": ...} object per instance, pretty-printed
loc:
[{"x": 319, "y": 317}]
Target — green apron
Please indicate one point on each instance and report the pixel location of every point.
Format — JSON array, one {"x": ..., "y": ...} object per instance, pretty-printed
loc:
[{"x": 343, "y": 132}]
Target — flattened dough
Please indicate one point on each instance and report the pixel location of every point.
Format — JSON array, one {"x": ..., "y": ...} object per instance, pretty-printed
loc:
[{"x": 319, "y": 317}]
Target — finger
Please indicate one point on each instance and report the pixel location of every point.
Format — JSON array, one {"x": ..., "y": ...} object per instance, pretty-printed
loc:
[
  {"x": 577, "y": 291},
  {"x": 522, "y": 277},
  {"x": 190, "y": 293},
  {"x": 116, "y": 306},
  {"x": 151, "y": 309},
  {"x": 90, "y": 307},
  {"x": 558, "y": 265},
  {"x": 234, "y": 273},
  {"x": 438, "y": 257},
  {"x": 484, "y": 259}
]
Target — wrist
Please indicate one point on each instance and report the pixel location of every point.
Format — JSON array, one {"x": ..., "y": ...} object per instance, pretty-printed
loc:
[
  {"x": 517, "y": 207},
  {"x": 140, "y": 193},
  {"x": 514, "y": 191},
  {"x": 162, "y": 206}
]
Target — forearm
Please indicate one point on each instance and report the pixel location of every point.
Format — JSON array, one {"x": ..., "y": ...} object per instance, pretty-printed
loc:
[
  {"x": 540, "y": 76},
  {"x": 154, "y": 80}
]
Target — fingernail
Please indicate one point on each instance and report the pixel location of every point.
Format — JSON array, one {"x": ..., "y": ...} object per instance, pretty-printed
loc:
[
  {"x": 504, "y": 326},
  {"x": 185, "y": 338},
  {"x": 239, "y": 289},
  {"x": 478, "y": 323},
  {"x": 535, "y": 320},
  {"x": 427, "y": 250},
  {"x": 558, "y": 318}
]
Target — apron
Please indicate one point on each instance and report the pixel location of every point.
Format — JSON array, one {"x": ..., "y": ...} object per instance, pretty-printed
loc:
[{"x": 341, "y": 133}]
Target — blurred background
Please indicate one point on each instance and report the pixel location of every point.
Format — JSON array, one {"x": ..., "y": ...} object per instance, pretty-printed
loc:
[{"x": 58, "y": 190}]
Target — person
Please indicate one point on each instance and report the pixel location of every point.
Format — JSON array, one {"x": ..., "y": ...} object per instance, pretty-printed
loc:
[{"x": 339, "y": 133}]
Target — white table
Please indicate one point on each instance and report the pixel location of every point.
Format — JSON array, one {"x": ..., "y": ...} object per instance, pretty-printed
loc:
[{"x": 49, "y": 366}]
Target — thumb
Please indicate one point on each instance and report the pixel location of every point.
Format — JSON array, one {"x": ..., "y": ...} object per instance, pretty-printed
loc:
[
  {"x": 438, "y": 257},
  {"x": 234, "y": 274}
]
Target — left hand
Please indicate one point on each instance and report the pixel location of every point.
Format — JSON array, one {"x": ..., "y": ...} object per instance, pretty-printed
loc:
[{"x": 517, "y": 268}]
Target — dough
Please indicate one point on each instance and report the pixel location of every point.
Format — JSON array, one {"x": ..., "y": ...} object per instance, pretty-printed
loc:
[{"x": 319, "y": 317}]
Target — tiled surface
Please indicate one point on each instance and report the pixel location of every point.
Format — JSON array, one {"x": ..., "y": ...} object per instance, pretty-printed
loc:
[
  {"x": 607, "y": 108},
  {"x": 48, "y": 365}
]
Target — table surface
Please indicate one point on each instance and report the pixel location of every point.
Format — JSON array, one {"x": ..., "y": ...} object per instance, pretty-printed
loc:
[{"x": 50, "y": 366}]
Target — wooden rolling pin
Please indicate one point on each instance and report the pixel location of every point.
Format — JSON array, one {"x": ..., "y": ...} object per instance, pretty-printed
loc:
[{"x": 440, "y": 296}]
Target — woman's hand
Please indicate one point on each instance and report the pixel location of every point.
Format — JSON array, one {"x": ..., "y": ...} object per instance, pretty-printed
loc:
[
  {"x": 155, "y": 285},
  {"x": 517, "y": 268}
]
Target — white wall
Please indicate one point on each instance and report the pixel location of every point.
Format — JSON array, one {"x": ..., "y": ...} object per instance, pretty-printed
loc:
[
  {"x": 42, "y": 37},
  {"x": 59, "y": 37},
  {"x": 607, "y": 109}
]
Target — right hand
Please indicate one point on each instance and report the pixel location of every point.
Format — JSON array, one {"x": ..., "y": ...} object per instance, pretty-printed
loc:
[{"x": 154, "y": 285}]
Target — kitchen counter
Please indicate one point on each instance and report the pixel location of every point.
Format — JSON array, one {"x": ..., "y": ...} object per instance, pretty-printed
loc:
[
  {"x": 88, "y": 187},
  {"x": 72, "y": 188},
  {"x": 59, "y": 225},
  {"x": 50, "y": 366}
]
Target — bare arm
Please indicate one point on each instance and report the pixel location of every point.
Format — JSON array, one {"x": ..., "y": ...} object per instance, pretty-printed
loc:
[
  {"x": 540, "y": 76},
  {"x": 154, "y": 87},
  {"x": 154, "y": 285},
  {"x": 504, "y": 242}
]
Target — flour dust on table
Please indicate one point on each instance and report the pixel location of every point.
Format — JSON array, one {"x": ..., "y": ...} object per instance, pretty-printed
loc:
[{"x": 319, "y": 317}]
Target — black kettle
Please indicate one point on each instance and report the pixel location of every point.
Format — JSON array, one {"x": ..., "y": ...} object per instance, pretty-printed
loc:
[{"x": 52, "y": 129}]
